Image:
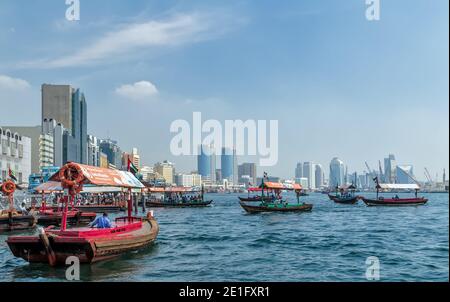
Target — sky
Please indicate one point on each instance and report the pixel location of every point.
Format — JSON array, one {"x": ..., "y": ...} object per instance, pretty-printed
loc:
[{"x": 338, "y": 84}]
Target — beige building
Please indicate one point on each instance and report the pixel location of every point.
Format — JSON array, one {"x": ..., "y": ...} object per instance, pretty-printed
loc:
[
  {"x": 166, "y": 170},
  {"x": 103, "y": 160}
]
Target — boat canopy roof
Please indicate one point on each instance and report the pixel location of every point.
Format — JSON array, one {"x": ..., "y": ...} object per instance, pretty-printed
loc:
[
  {"x": 171, "y": 190},
  {"x": 280, "y": 186},
  {"x": 256, "y": 189},
  {"x": 105, "y": 177},
  {"x": 55, "y": 187},
  {"x": 399, "y": 186}
]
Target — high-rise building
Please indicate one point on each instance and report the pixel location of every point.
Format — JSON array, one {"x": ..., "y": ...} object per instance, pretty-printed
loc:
[
  {"x": 15, "y": 154},
  {"x": 52, "y": 128},
  {"x": 390, "y": 166},
  {"x": 206, "y": 163},
  {"x": 309, "y": 172},
  {"x": 167, "y": 170},
  {"x": 299, "y": 170},
  {"x": 112, "y": 151},
  {"x": 336, "y": 173},
  {"x": 135, "y": 158},
  {"x": 93, "y": 150},
  {"x": 247, "y": 171},
  {"x": 67, "y": 106},
  {"x": 320, "y": 176},
  {"x": 404, "y": 174},
  {"x": 229, "y": 165}
]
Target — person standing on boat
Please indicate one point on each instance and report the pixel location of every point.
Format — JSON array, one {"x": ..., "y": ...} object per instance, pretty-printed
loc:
[{"x": 102, "y": 222}]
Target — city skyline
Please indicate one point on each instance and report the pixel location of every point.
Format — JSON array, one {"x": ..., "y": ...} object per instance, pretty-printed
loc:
[{"x": 402, "y": 110}]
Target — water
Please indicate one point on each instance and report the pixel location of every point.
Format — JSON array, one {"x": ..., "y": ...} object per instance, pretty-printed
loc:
[{"x": 223, "y": 243}]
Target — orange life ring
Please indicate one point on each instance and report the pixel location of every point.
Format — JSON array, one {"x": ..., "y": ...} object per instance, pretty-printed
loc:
[
  {"x": 8, "y": 187},
  {"x": 71, "y": 175}
]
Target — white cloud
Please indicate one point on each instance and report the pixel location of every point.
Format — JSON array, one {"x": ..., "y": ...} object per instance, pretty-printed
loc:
[
  {"x": 139, "y": 91},
  {"x": 177, "y": 30},
  {"x": 10, "y": 83}
]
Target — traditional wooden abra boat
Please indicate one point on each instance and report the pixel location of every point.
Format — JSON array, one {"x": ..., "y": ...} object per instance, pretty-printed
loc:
[
  {"x": 256, "y": 198},
  {"x": 11, "y": 219},
  {"x": 346, "y": 196},
  {"x": 396, "y": 201},
  {"x": 90, "y": 245},
  {"x": 173, "y": 197},
  {"x": 278, "y": 204}
]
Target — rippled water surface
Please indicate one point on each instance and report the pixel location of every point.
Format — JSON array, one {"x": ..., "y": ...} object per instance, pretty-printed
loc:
[{"x": 223, "y": 243}]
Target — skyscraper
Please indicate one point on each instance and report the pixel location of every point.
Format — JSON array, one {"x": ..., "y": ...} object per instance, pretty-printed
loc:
[
  {"x": 206, "y": 163},
  {"x": 336, "y": 173},
  {"x": 226, "y": 163},
  {"x": 309, "y": 172},
  {"x": 112, "y": 151},
  {"x": 390, "y": 169},
  {"x": 67, "y": 106},
  {"x": 299, "y": 170},
  {"x": 320, "y": 176}
]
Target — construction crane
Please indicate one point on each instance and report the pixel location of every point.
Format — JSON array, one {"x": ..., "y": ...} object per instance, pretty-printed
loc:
[
  {"x": 413, "y": 179},
  {"x": 381, "y": 172},
  {"x": 428, "y": 176},
  {"x": 371, "y": 172}
]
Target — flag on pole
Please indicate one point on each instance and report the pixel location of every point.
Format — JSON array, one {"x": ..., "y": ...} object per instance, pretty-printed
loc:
[
  {"x": 132, "y": 168},
  {"x": 11, "y": 174}
]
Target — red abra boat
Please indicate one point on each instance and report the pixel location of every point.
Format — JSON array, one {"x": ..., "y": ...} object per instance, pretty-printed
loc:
[
  {"x": 10, "y": 219},
  {"x": 396, "y": 201},
  {"x": 88, "y": 244}
]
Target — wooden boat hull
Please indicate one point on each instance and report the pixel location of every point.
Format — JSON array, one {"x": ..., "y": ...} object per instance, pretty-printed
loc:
[
  {"x": 261, "y": 208},
  {"x": 155, "y": 204},
  {"x": 350, "y": 200},
  {"x": 88, "y": 249},
  {"x": 395, "y": 202},
  {"x": 77, "y": 218},
  {"x": 17, "y": 223}
]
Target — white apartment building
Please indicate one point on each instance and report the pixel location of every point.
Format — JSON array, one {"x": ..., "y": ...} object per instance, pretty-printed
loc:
[{"x": 15, "y": 154}]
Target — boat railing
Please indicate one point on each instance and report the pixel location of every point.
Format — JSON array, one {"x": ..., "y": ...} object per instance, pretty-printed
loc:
[{"x": 128, "y": 219}]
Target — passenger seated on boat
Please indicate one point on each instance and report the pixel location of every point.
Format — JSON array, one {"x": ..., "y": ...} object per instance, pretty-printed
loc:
[
  {"x": 396, "y": 197},
  {"x": 102, "y": 222}
]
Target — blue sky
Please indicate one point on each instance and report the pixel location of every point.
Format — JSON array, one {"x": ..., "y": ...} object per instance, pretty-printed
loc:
[{"x": 338, "y": 84}]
